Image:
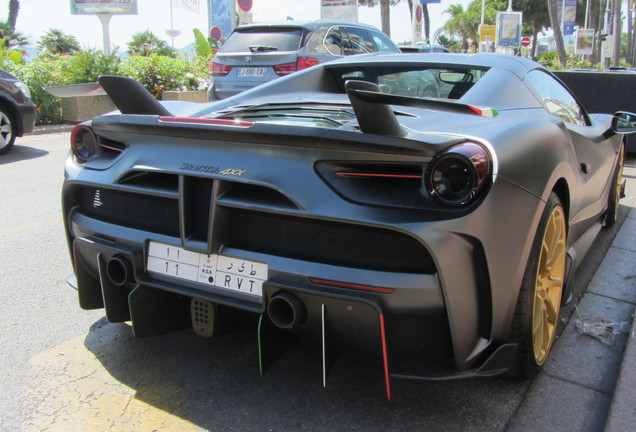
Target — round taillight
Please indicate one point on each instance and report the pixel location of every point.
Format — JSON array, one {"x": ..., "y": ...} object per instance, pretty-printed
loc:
[
  {"x": 83, "y": 143},
  {"x": 459, "y": 174}
]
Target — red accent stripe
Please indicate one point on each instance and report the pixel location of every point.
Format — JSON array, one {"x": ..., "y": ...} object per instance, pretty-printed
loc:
[
  {"x": 353, "y": 174},
  {"x": 477, "y": 110},
  {"x": 195, "y": 120},
  {"x": 385, "y": 358},
  {"x": 352, "y": 286},
  {"x": 111, "y": 148}
]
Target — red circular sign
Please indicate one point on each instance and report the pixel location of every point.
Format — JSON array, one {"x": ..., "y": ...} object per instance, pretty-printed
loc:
[
  {"x": 418, "y": 13},
  {"x": 216, "y": 33},
  {"x": 525, "y": 41},
  {"x": 245, "y": 5}
]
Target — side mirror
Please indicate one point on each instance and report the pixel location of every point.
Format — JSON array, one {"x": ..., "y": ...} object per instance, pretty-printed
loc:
[{"x": 624, "y": 122}]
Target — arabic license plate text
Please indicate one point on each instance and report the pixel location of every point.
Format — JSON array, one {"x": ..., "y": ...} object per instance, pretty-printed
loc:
[{"x": 220, "y": 271}]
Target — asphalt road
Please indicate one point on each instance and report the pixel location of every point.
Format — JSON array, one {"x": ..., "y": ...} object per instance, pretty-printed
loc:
[{"x": 65, "y": 369}]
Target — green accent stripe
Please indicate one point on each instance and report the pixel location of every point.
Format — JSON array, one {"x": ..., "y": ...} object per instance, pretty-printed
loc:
[{"x": 260, "y": 352}]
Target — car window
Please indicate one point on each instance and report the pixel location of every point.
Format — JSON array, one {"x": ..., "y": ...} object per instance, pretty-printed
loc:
[
  {"x": 273, "y": 38},
  {"x": 359, "y": 41},
  {"x": 556, "y": 98},
  {"x": 421, "y": 82},
  {"x": 333, "y": 41},
  {"x": 382, "y": 43}
]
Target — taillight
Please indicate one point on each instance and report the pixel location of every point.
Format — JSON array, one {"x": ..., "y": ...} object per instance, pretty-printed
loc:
[
  {"x": 306, "y": 62},
  {"x": 300, "y": 64},
  {"x": 285, "y": 69},
  {"x": 83, "y": 142},
  {"x": 217, "y": 69},
  {"x": 458, "y": 175}
]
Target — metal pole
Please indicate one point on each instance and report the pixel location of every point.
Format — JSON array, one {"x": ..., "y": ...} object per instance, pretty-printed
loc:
[
  {"x": 105, "y": 20},
  {"x": 171, "y": 25}
]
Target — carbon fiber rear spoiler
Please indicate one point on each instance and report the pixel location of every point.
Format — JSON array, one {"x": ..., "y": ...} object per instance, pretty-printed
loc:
[{"x": 374, "y": 114}]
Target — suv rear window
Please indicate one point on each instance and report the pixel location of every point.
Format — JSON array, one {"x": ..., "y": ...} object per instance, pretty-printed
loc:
[{"x": 263, "y": 39}]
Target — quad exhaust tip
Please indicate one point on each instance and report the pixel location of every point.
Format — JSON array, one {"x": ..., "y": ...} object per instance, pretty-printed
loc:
[{"x": 285, "y": 310}]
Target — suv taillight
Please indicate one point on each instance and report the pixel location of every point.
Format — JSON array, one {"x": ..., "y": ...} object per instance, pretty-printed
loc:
[
  {"x": 306, "y": 62},
  {"x": 217, "y": 69},
  {"x": 301, "y": 63}
]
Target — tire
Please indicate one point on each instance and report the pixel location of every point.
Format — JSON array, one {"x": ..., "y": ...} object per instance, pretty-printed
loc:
[
  {"x": 614, "y": 195},
  {"x": 7, "y": 130},
  {"x": 537, "y": 312}
]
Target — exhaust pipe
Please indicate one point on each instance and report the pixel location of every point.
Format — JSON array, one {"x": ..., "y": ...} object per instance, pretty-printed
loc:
[
  {"x": 119, "y": 270},
  {"x": 285, "y": 310}
]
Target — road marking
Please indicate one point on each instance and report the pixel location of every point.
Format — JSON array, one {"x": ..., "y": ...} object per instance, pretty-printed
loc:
[
  {"x": 70, "y": 389},
  {"x": 30, "y": 226}
]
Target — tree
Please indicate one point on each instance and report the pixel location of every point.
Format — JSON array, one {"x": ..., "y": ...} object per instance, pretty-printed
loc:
[
  {"x": 385, "y": 13},
  {"x": 14, "y": 7},
  {"x": 12, "y": 38},
  {"x": 146, "y": 43},
  {"x": 459, "y": 25},
  {"x": 556, "y": 28},
  {"x": 57, "y": 42},
  {"x": 535, "y": 18}
]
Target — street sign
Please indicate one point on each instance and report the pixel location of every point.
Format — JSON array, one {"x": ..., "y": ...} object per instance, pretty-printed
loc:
[
  {"x": 216, "y": 33},
  {"x": 245, "y": 5},
  {"x": 525, "y": 41}
]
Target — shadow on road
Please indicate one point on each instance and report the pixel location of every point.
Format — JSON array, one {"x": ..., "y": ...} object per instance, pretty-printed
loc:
[
  {"x": 215, "y": 384},
  {"x": 20, "y": 153}
]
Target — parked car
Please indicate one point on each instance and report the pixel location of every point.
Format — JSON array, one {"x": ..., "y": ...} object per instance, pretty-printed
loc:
[
  {"x": 441, "y": 233},
  {"x": 17, "y": 111},
  {"x": 258, "y": 53},
  {"x": 423, "y": 49}
]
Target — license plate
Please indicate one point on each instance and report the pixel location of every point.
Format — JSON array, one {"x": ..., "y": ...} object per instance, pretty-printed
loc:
[
  {"x": 251, "y": 72},
  {"x": 220, "y": 271}
]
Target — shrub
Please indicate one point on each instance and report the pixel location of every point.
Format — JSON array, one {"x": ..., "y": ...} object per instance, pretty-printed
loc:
[
  {"x": 160, "y": 73},
  {"x": 38, "y": 75}
]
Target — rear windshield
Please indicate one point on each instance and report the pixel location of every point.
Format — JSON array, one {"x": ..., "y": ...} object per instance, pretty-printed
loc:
[{"x": 261, "y": 39}]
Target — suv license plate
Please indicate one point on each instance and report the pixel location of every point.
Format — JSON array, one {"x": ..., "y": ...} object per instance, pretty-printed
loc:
[{"x": 251, "y": 72}]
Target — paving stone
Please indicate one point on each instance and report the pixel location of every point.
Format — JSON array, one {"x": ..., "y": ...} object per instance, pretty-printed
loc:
[
  {"x": 568, "y": 406},
  {"x": 616, "y": 277}
]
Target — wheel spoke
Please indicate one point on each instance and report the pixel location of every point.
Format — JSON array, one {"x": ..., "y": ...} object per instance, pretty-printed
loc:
[{"x": 548, "y": 285}]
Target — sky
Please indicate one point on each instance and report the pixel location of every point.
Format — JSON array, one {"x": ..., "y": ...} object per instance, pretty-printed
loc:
[{"x": 37, "y": 16}]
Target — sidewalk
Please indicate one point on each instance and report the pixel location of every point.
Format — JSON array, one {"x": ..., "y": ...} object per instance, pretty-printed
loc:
[
  {"x": 588, "y": 383},
  {"x": 44, "y": 129}
]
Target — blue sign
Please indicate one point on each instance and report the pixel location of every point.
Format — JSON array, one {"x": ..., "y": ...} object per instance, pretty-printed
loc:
[
  {"x": 430, "y": 1},
  {"x": 221, "y": 15}
]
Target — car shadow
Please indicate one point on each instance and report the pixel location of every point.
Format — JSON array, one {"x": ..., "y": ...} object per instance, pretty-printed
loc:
[
  {"x": 20, "y": 153},
  {"x": 215, "y": 384}
]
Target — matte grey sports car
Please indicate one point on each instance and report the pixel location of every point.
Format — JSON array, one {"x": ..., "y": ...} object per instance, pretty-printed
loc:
[{"x": 340, "y": 202}]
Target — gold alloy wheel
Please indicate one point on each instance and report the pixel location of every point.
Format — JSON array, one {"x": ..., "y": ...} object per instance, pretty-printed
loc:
[
  {"x": 619, "y": 176},
  {"x": 549, "y": 286}
]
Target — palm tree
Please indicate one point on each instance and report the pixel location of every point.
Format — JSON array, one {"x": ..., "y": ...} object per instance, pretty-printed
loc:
[
  {"x": 57, "y": 42},
  {"x": 458, "y": 25},
  {"x": 146, "y": 43},
  {"x": 385, "y": 13},
  {"x": 12, "y": 38}
]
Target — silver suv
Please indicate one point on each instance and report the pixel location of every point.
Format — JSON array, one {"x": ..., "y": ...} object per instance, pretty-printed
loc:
[{"x": 257, "y": 53}]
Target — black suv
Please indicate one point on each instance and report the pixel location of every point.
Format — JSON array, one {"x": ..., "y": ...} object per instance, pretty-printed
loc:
[{"x": 17, "y": 111}]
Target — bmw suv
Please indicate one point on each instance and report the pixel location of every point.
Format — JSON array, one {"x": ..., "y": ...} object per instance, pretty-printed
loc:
[{"x": 257, "y": 53}]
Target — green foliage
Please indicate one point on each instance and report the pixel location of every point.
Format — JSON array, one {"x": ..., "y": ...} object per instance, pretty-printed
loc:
[
  {"x": 10, "y": 55},
  {"x": 146, "y": 44},
  {"x": 551, "y": 61},
  {"x": 87, "y": 65},
  {"x": 56, "y": 41},
  {"x": 38, "y": 75},
  {"x": 160, "y": 73},
  {"x": 201, "y": 44},
  {"x": 13, "y": 39},
  {"x": 156, "y": 73}
]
